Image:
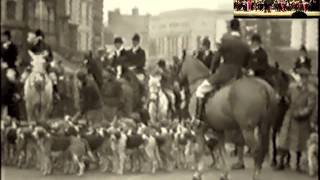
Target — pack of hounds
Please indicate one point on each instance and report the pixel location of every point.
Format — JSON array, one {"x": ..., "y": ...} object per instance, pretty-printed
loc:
[{"x": 118, "y": 147}]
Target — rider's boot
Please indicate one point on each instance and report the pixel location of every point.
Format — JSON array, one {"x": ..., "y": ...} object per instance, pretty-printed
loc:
[{"x": 199, "y": 108}]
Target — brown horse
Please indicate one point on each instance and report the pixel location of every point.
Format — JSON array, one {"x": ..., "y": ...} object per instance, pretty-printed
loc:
[
  {"x": 119, "y": 95},
  {"x": 248, "y": 104},
  {"x": 38, "y": 91}
]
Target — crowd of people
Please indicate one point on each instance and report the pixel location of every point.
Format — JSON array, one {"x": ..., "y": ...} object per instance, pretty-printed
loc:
[
  {"x": 276, "y": 5},
  {"x": 233, "y": 58}
]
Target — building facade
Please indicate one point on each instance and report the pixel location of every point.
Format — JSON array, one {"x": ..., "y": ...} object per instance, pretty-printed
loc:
[
  {"x": 68, "y": 24},
  {"x": 171, "y": 32},
  {"x": 22, "y": 16},
  {"x": 125, "y": 25},
  {"x": 97, "y": 12}
]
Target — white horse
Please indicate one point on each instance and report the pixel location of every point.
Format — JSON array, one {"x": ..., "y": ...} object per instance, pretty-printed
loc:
[
  {"x": 158, "y": 102},
  {"x": 38, "y": 90}
]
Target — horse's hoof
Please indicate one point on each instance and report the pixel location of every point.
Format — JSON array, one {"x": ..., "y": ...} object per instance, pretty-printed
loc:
[
  {"x": 279, "y": 167},
  {"x": 238, "y": 166},
  {"x": 196, "y": 178},
  {"x": 273, "y": 164},
  {"x": 224, "y": 178}
]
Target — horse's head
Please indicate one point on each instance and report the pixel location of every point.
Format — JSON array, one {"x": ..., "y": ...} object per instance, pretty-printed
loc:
[{"x": 279, "y": 80}]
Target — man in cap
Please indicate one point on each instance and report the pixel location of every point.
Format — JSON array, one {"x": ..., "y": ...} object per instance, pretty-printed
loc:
[
  {"x": 234, "y": 55},
  {"x": 9, "y": 51},
  {"x": 258, "y": 64},
  {"x": 91, "y": 104},
  {"x": 205, "y": 54},
  {"x": 296, "y": 126}
]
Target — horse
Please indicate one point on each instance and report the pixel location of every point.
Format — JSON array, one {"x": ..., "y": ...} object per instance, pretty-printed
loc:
[
  {"x": 248, "y": 104},
  {"x": 119, "y": 95},
  {"x": 158, "y": 103},
  {"x": 38, "y": 89}
]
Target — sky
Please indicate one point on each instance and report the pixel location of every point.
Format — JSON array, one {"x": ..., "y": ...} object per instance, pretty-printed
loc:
[{"x": 155, "y": 7}]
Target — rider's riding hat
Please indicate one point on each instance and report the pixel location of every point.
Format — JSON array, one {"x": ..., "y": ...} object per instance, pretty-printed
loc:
[
  {"x": 39, "y": 33},
  {"x": 256, "y": 38},
  {"x": 161, "y": 63},
  {"x": 206, "y": 42},
  {"x": 118, "y": 40},
  {"x": 136, "y": 37},
  {"x": 235, "y": 25},
  {"x": 7, "y": 33}
]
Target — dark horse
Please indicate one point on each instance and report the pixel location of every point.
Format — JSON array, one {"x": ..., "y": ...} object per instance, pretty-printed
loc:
[
  {"x": 120, "y": 96},
  {"x": 248, "y": 104}
]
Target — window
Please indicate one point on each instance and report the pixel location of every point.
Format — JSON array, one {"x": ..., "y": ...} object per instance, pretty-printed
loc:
[
  {"x": 88, "y": 15},
  {"x": 11, "y": 9}
]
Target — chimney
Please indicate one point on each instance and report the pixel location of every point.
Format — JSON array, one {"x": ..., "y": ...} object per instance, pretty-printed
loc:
[{"x": 135, "y": 11}]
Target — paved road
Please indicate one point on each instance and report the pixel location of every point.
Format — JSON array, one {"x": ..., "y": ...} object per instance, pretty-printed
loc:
[{"x": 11, "y": 173}]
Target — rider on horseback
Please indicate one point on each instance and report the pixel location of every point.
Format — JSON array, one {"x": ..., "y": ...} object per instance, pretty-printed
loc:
[
  {"x": 166, "y": 82},
  {"x": 234, "y": 54}
]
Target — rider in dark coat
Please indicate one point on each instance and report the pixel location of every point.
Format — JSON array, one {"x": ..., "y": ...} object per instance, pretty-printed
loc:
[
  {"x": 120, "y": 58},
  {"x": 205, "y": 54},
  {"x": 9, "y": 51},
  {"x": 137, "y": 59},
  {"x": 94, "y": 67},
  {"x": 259, "y": 61},
  {"x": 234, "y": 54}
]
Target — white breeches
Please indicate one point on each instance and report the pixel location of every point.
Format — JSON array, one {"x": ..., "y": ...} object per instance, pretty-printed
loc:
[{"x": 203, "y": 89}]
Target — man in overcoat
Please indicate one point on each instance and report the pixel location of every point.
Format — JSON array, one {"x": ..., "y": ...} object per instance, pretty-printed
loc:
[
  {"x": 296, "y": 127},
  {"x": 91, "y": 103}
]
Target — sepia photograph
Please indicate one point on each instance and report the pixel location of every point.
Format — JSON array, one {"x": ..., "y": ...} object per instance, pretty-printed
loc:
[{"x": 149, "y": 89}]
